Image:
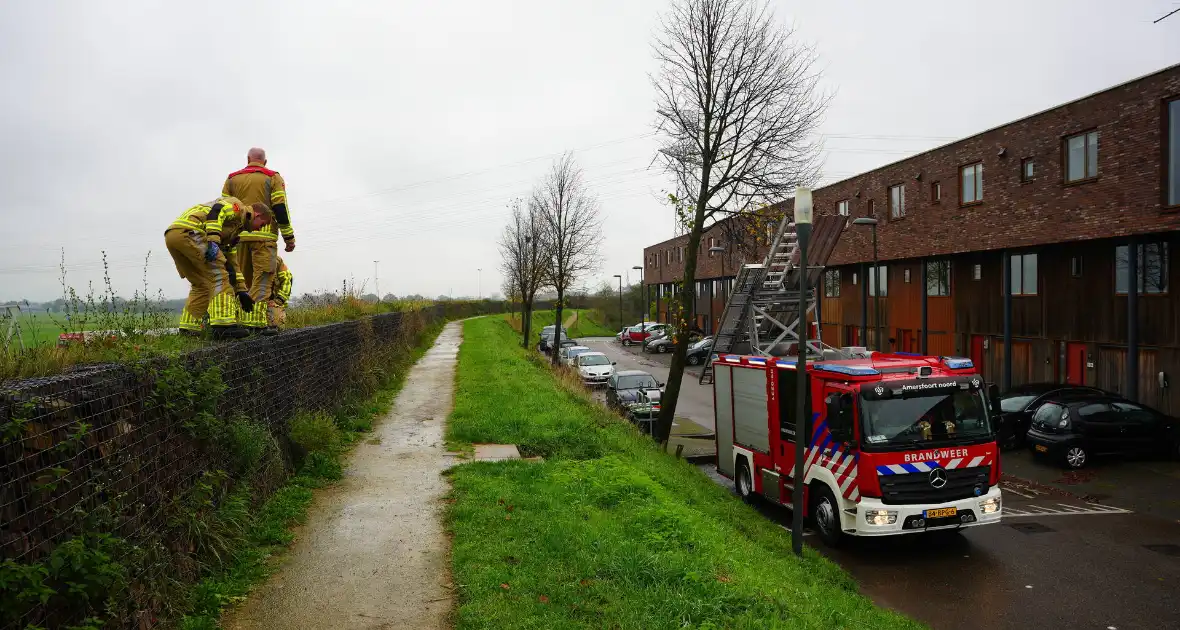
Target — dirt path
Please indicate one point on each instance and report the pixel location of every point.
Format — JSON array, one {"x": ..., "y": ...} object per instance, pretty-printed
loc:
[
  {"x": 571, "y": 320},
  {"x": 374, "y": 553}
]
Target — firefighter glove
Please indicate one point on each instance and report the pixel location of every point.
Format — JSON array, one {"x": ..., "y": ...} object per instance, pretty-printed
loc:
[
  {"x": 290, "y": 244},
  {"x": 246, "y": 302},
  {"x": 211, "y": 252}
]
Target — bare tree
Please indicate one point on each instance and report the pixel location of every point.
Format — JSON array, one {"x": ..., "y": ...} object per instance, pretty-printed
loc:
[
  {"x": 572, "y": 231},
  {"x": 523, "y": 259},
  {"x": 737, "y": 101}
]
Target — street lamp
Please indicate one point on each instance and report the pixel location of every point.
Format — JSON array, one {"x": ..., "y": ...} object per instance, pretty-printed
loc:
[
  {"x": 479, "y": 282},
  {"x": 376, "y": 281},
  {"x": 620, "y": 298},
  {"x": 803, "y": 230},
  {"x": 876, "y": 283},
  {"x": 642, "y": 296}
]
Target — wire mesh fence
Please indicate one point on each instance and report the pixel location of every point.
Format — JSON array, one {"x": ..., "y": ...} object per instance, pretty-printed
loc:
[{"x": 94, "y": 462}]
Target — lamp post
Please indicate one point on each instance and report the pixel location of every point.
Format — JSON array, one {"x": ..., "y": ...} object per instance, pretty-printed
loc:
[
  {"x": 620, "y": 298},
  {"x": 479, "y": 282},
  {"x": 870, "y": 221},
  {"x": 643, "y": 296},
  {"x": 376, "y": 281},
  {"x": 802, "y": 413}
]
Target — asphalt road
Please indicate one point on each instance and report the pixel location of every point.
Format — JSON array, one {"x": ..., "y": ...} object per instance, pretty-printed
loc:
[{"x": 1058, "y": 560}]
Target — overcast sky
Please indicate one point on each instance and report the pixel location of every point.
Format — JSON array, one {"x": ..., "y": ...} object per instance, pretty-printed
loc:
[{"x": 403, "y": 129}]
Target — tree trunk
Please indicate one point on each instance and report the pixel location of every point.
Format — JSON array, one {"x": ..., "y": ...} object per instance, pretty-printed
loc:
[
  {"x": 526, "y": 313},
  {"x": 557, "y": 309},
  {"x": 676, "y": 373}
]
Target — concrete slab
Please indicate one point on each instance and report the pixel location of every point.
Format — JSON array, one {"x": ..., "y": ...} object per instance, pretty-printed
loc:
[{"x": 495, "y": 452}]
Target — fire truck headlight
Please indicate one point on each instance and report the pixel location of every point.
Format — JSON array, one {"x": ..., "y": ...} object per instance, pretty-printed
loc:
[
  {"x": 880, "y": 517},
  {"x": 990, "y": 506}
]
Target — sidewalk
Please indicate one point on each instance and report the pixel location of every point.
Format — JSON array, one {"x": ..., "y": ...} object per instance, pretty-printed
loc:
[{"x": 374, "y": 553}]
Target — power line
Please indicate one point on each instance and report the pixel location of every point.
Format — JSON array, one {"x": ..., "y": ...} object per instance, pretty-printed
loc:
[{"x": 1170, "y": 14}]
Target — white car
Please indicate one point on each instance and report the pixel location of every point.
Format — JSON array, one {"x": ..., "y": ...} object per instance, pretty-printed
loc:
[
  {"x": 569, "y": 352},
  {"x": 595, "y": 368}
]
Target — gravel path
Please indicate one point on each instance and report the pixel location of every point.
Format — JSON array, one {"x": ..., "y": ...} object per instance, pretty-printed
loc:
[{"x": 374, "y": 553}]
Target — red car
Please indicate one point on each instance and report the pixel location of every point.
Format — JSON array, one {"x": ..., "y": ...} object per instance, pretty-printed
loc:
[{"x": 638, "y": 333}]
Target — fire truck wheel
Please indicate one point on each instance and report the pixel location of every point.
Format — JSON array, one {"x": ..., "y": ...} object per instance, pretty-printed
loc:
[
  {"x": 825, "y": 515},
  {"x": 744, "y": 482}
]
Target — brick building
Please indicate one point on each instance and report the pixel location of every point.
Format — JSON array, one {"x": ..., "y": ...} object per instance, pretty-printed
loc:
[{"x": 1077, "y": 206}]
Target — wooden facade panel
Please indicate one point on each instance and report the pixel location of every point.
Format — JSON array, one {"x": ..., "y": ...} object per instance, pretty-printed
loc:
[{"x": 940, "y": 313}]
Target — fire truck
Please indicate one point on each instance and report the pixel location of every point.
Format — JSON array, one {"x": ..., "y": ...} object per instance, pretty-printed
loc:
[{"x": 894, "y": 443}]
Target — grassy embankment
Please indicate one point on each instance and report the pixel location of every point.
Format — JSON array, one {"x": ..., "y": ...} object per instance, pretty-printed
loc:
[
  {"x": 589, "y": 323},
  {"x": 43, "y": 357},
  {"x": 607, "y": 531}
]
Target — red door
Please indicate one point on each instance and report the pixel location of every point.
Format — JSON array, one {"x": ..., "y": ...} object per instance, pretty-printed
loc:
[
  {"x": 977, "y": 352},
  {"x": 907, "y": 341},
  {"x": 1075, "y": 363}
]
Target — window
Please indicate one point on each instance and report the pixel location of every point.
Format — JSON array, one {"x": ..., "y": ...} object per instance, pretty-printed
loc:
[
  {"x": 842, "y": 208},
  {"x": 1081, "y": 157},
  {"x": 897, "y": 201},
  {"x": 712, "y": 242},
  {"x": 936, "y": 191},
  {"x": 977, "y": 272},
  {"x": 882, "y": 276},
  {"x": 972, "y": 183},
  {"x": 1152, "y": 268},
  {"x": 1134, "y": 414},
  {"x": 905, "y": 276},
  {"x": 680, "y": 254},
  {"x": 854, "y": 278},
  {"x": 1094, "y": 412},
  {"x": 1173, "y": 148},
  {"x": 1024, "y": 274},
  {"x": 1075, "y": 266},
  {"x": 1026, "y": 169},
  {"x": 938, "y": 278},
  {"x": 832, "y": 283},
  {"x": 872, "y": 208}
]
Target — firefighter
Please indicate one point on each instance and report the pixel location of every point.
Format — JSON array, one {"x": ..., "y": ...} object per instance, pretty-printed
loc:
[
  {"x": 258, "y": 253},
  {"x": 280, "y": 294},
  {"x": 194, "y": 240}
]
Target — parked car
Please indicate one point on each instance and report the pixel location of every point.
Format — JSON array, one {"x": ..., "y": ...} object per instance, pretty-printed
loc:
[
  {"x": 1018, "y": 405},
  {"x": 667, "y": 342},
  {"x": 637, "y": 334},
  {"x": 619, "y": 335},
  {"x": 569, "y": 353},
  {"x": 547, "y": 338},
  {"x": 1073, "y": 427},
  {"x": 698, "y": 352},
  {"x": 595, "y": 368},
  {"x": 623, "y": 389}
]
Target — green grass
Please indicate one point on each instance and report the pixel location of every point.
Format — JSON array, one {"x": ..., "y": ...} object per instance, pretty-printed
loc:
[
  {"x": 608, "y": 532},
  {"x": 271, "y": 527},
  {"x": 590, "y": 323}
]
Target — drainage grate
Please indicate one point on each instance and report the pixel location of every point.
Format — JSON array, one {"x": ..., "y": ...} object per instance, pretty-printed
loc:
[
  {"x": 1030, "y": 528},
  {"x": 1166, "y": 549}
]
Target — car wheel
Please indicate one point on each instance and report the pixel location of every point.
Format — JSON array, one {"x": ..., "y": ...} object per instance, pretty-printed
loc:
[
  {"x": 744, "y": 482},
  {"x": 825, "y": 515},
  {"x": 1075, "y": 456},
  {"x": 694, "y": 360},
  {"x": 626, "y": 342}
]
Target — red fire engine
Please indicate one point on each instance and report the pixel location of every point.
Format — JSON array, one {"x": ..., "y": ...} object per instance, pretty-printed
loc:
[{"x": 895, "y": 443}]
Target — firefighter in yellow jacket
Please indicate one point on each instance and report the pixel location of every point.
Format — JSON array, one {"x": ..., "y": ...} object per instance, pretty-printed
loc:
[
  {"x": 280, "y": 294},
  {"x": 258, "y": 252},
  {"x": 194, "y": 240}
]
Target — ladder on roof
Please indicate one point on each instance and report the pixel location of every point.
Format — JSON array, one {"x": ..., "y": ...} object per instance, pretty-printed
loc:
[{"x": 762, "y": 314}]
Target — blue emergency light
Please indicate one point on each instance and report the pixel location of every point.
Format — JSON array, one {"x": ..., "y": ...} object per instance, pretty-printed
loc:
[
  {"x": 958, "y": 363},
  {"x": 850, "y": 370}
]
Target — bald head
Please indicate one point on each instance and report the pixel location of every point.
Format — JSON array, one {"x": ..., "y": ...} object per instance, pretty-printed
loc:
[{"x": 256, "y": 155}]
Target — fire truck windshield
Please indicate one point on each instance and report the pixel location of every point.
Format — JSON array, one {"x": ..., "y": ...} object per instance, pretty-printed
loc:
[{"x": 935, "y": 412}]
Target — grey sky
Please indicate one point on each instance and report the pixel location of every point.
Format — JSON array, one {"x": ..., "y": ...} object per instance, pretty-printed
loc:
[{"x": 404, "y": 129}]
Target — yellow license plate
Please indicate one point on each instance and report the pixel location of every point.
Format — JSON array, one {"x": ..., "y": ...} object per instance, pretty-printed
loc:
[
  {"x": 1041, "y": 448},
  {"x": 941, "y": 512}
]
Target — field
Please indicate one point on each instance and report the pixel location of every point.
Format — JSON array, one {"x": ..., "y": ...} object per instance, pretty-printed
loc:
[{"x": 607, "y": 531}]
